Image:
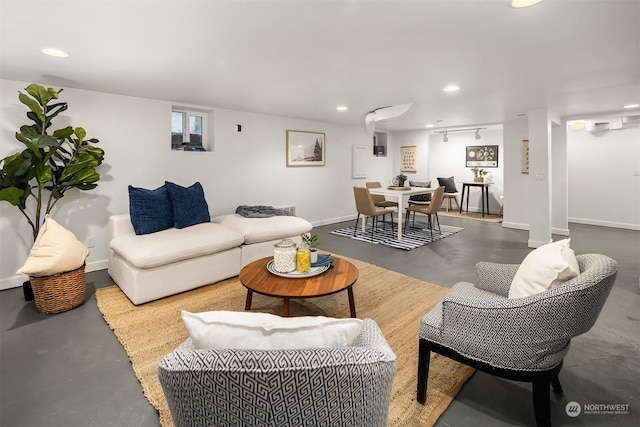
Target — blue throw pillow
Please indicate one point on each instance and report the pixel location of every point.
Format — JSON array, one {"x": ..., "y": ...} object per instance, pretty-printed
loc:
[
  {"x": 150, "y": 210},
  {"x": 189, "y": 205},
  {"x": 449, "y": 185}
]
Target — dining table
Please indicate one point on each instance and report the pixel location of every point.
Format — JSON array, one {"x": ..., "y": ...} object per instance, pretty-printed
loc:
[{"x": 401, "y": 195}]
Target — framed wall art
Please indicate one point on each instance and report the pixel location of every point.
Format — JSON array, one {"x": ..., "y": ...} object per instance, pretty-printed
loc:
[
  {"x": 408, "y": 159},
  {"x": 524, "y": 156},
  {"x": 485, "y": 156},
  {"x": 305, "y": 148}
]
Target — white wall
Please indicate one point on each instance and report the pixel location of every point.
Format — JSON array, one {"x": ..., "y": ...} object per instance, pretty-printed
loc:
[
  {"x": 602, "y": 187},
  {"x": 516, "y": 200},
  {"x": 245, "y": 168},
  {"x": 444, "y": 159}
]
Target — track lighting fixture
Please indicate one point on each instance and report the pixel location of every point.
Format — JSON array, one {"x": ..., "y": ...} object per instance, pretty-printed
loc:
[{"x": 446, "y": 139}]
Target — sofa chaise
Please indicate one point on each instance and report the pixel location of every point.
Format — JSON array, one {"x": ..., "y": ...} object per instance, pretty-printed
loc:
[{"x": 153, "y": 266}]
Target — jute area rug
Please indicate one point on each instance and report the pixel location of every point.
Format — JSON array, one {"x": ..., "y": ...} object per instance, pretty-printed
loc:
[
  {"x": 472, "y": 215},
  {"x": 396, "y": 302}
]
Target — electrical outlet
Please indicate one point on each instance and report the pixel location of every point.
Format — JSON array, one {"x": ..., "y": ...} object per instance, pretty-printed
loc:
[
  {"x": 636, "y": 172},
  {"x": 91, "y": 241}
]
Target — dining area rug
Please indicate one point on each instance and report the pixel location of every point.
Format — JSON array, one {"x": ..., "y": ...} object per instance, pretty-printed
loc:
[
  {"x": 395, "y": 301},
  {"x": 412, "y": 236}
]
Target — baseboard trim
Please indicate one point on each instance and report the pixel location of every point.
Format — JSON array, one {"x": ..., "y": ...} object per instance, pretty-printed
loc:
[
  {"x": 560, "y": 231},
  {"x": 333, "y": 220},
  {"x": 611, "y": 224},
  {"x": 17, "y": 280},
  {"x": 515, "y": 225}
]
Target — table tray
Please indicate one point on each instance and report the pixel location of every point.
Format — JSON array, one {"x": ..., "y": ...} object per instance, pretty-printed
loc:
[{"x": 315, "y": 271}]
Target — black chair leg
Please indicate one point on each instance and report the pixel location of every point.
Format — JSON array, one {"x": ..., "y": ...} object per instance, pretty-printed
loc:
[
  {"x": 392, "y": 225},
  {"x": 438, "y": 222},
  {"x": 555, "y": 383},
  {"x": 373, "y": 226},
  {"x": 356, "y": 227},
  {"x": 424, "y": 354},
  {"x": 541, "y": 405}
]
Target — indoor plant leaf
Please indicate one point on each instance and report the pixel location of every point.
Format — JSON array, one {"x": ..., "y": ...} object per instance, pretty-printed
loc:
[
  {"x": 12, "y": 195},
  {"x": 52, "y": 162}
]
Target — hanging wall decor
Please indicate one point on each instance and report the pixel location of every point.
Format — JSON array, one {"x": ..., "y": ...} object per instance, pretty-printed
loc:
[
  {"x": 305, "y": 148},
  {"x": 408, "y": 159},
  {"x": 482, "y": 155},
  {"x": 524, "y": 156}
]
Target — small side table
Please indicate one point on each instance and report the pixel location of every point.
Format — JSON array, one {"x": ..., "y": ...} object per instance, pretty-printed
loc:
[{"x": 484, "y": 196}]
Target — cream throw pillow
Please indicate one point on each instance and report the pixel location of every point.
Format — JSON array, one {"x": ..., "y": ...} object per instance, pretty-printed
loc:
[
  {"x": 545, "y": 268},
  {"x": 56, "y": 250},
  {"x": 262, "y": 331}
]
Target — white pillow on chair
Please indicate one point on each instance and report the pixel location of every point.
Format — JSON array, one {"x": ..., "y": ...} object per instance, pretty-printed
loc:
[
  {"x": 262, "y": 331},
  {"x": 544, "y": 268}
]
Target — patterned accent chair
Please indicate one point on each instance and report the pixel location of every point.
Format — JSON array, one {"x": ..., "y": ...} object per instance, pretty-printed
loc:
[
  {"x": 522, "y": 339},
  {"x": 349, "y": 386}
]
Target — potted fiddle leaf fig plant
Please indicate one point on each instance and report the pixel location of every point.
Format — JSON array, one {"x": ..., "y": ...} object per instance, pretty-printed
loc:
[{"x": 51, "y": 163}]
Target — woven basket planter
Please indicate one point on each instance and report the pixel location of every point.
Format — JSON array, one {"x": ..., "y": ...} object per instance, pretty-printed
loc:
[{"x": 59, "y": 292}]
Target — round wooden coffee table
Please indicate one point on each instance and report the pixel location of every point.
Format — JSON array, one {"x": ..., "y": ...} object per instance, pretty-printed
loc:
[{"x": 256, "y": 278}]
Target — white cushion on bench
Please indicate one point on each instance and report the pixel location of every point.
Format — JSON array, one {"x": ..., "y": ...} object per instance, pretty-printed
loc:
[
  {"x": 256, "y": 230},
  {"x": 167, "y": 246}
]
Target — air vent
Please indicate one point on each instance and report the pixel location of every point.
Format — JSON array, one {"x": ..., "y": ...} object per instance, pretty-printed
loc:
[
  {"x": 612, "y": 124},
  {"x": 290, "y": 209}
]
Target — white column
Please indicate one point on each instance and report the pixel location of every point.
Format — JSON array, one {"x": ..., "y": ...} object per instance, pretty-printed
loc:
[
  {"x": 539, "y": 177},
  {"x": 559, "y": 180}
]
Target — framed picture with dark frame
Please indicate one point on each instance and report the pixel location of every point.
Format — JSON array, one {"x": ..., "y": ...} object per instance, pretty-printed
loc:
[
  {"x": 305, "y": 148},
  {"x": 485, "y": 156}
]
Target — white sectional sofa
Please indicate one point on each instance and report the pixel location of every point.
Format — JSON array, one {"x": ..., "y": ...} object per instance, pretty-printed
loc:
[{"x": 152, "y": 266}]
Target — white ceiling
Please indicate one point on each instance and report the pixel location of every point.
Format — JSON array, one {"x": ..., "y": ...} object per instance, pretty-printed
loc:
[{"x": 303, "y": 58}]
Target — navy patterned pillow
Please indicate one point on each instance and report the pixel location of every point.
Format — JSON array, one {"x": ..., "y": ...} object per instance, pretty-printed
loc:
[
  {"x": 449, "y": 185},
  {"x": 150, "y": 210},
  {"x": 189, "y": 204}
]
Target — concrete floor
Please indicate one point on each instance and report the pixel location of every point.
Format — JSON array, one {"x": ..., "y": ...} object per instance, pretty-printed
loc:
[{"x": 68, "y": 369}]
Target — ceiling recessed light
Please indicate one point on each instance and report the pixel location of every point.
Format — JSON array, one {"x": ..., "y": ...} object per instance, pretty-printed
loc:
[
  {"x": 342, "y": 108},
  {"x": 451, "y": 88},
  {"x": 524, "y": 3},
  {"x": 428, "y": 126},
  {"x": 577, "y": 125},
  {"x": 55, "y": 52},
  {"x": 631, "y": 106}
]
